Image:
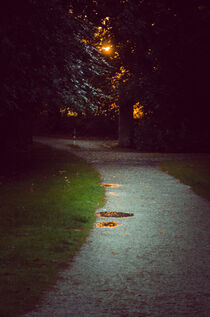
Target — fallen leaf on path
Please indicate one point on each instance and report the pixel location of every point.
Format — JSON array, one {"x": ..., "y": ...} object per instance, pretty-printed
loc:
[
  {"x": 110, "y": 185},
  {"x": 114, "y": 194}
]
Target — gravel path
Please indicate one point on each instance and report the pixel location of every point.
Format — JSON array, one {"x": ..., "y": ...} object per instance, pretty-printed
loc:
[{"x": 155, "y": 263}]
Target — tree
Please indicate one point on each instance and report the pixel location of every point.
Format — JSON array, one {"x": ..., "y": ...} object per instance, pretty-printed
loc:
[
  {"x": 164, "y": 45},
  {"x": 120, "y": 31},
  {"x": 46, "y": 63}
]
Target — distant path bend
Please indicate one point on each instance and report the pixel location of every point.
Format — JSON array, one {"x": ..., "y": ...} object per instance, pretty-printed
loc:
[{"x": 156, "y": 263}]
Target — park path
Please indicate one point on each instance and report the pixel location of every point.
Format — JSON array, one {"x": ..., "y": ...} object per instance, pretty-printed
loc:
[{"x": 155, "y": 263}]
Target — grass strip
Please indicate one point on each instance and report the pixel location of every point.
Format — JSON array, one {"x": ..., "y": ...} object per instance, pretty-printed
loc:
[
  {"x": 193, "y": 172},
  {"x": 47, "y": 209}
]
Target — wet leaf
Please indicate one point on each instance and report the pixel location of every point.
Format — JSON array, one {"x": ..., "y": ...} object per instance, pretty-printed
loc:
[{"x": 113, "y": 193}]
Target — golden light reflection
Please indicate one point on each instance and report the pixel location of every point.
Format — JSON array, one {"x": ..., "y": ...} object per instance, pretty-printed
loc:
[
  {"x": 107, "y": 224},
  {"x": 114, "y": 214}
]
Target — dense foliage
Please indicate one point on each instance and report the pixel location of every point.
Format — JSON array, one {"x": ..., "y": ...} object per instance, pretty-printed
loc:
[
  {"x": 164, "y": 45},
  {"x": 46, "y": 61},
  {"x": 160, "y": 55}
]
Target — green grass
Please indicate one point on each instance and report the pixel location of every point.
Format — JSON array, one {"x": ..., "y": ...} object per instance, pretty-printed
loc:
[
  {"x": 47, "y": 209},
  {"x": 193, "y": 172}
]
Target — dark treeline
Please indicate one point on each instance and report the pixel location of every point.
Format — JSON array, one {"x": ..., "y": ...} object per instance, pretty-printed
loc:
[
  {"x": 49, "y": 62},
  {"x": 45, "y": 66},
  {"x": 165, "y": 45}
]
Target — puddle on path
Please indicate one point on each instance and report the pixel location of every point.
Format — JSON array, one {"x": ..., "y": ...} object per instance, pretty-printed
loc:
[
  {"x": 107, "y": 224},
  {"x": 113, "y": 214}
]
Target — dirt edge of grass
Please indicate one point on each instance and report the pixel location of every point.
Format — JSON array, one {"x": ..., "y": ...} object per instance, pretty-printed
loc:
[{"x": 194, "y": 172}]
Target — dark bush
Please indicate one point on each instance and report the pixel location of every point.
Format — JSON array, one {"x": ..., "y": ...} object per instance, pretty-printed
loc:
[{"x": 151, "y": 137}]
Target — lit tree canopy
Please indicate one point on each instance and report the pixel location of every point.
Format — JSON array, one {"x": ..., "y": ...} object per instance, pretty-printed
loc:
[
  {"x": 51, "y": 56},
  {"x": 44, "y": 58},
  {"x": 165, "y": 46}
]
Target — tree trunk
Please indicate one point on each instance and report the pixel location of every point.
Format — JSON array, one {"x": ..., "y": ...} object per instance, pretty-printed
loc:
[{"x": 125, "y": 123}]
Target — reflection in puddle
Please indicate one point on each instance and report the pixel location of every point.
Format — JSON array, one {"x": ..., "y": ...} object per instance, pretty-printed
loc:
[
  {"x": 114, "y": 214},
  {"x": 107, "y": 224}
]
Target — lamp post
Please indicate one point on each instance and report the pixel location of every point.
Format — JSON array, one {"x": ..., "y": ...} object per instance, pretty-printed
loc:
[{"x": 74, "y": 136}]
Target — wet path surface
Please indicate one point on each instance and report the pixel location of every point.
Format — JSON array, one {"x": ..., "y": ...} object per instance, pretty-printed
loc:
[{"x": 155, "y": 263}]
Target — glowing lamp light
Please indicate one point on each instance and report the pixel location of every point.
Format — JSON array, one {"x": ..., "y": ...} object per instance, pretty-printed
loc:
[{"x": 106, "y": 48}]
